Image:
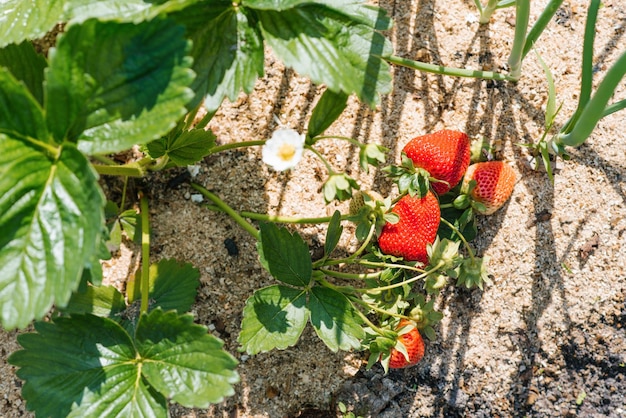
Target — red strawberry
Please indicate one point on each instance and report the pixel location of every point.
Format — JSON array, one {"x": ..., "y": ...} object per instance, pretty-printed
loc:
[
  {"x": 444, "y": 154},
  {"x": 413, "y": 343},
  {"x": 417, "y": 227},
  {"x": 494, "y": 184}
]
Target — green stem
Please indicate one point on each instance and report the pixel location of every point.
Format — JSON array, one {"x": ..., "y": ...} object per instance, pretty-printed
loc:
[
  {"x": 485, "y": 14},
  {"x": 440, "y": 69},
  {"x": 343, "y": 138},
  {"x": 227, "y": 209},
  {"x": 595, "y": 108},
  {"x": 202, "y": 123},
  {"x": 405, "y": 282},
  {"x": 103, "y": 159},
  {"x": 351, "y": 276},
  {"x": 124, "y": 189},
  {"x": 586, "y": 76},
  {"x": 614, "y": 108},
  {"x": 322, "y": 159},
  {"x": 537, "y": 29},
  {"x": 145, "y": 252},
  {"x": 191, "y": 116},
  {"x": 280, "y": 219},
  {"x": 128, "y": 170},
  {"x": 465, "y": 243},
  {"x": 522, "y": 14},
  {"x": 365, "y": 243},
  {"x": 366, "y": 263},
  {"x": 479, "y": 6},
  {"x": 375, "y": 308},
  {"x": 235, "y": 145},
  {"x": 369, "y": 323}
]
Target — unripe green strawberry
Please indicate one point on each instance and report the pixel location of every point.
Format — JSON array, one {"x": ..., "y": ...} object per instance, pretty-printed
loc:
[
  {"x": 417, "y": 227},
  {"x": 362, "y": 197},
  {"x": 444, "y": 154},
  {"x": 494, "y": 185},
  {"x": 413, "y": 344}
]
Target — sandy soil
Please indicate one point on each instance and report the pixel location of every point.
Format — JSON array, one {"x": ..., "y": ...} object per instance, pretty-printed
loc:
[{"x": 549, "y": 330}]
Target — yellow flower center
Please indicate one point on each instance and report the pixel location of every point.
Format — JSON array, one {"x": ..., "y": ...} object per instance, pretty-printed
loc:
[{"x": 286, "y": 152}]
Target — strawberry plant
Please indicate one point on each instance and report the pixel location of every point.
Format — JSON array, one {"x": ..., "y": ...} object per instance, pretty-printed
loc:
[{"x": 136, "y": 73}]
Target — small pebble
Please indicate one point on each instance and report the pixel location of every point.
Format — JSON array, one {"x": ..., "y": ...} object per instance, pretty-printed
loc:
[
  {"x": 193, "y": 170},
  {"x": 197, "y": 198}
]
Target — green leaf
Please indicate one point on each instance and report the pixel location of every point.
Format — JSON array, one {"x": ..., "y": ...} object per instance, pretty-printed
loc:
[
  {"x": 334, "y": 233},
  {"x": 21, "y": 20},
  {"x": 122, "y": 10},
  {"x": 26, "y": 65},
  {"x": 88, "y": 361},
  {"x": 227, "y": 50},
  {"x": 172, "y": 285},
  {"x": 357, "y": 10},
  {"x": 182, "y": 361},
  {"x": 334, "y": 319},
  {"x": 89, "y": 365},
  {"x": 285, "y": 256},
  {"x": 51, "y": 218},
  {"x": 331, "y": 48},
  {"x": 185, "y": 149},
  {"x": 327, "y": 110},
  {"x": 551, "y": 103},
  {"x": 105, "y": 301},
  {"x": 131, "y": 222},
  {"x": 20, "y": 114},
  {"x": 133, "y": 94},
  {"x": 274, "y": 317}
]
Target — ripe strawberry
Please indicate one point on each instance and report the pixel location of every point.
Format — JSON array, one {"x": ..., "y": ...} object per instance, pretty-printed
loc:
[
  {"x": 444, "y": 154},
  {"x": 417, "y": 227},
  {"x": 494, "y": 184},
  {"x": 414, "y": 345}
]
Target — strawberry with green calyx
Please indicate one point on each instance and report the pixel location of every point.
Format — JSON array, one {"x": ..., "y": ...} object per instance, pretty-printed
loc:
[
  {"x": 488, "y": 186},
  {"x": 444, "y": 154},
  {"x": 425, "y": 316},
  {"x": 417, "y": 226},
  {"x": 409, "y": 347}
]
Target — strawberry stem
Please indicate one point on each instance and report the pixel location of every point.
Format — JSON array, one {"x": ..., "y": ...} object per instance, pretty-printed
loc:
[
  {"x": 354, "y": 276},
  {"x": 440, "y": 69},
  {"x": 322, "y": 159},
  {"x": 235, "y": 145},
  {"x": 409, "y": 281},
  {"x": 279, "y": 218},
  {"x": 465, "y": 243},
  {"x": 377, "y": 309},
  {"x": 363, "y": 246},
  {"x": 367, "y": 263},
  {"x": 227, "y": 209},
  {"x": 366, "y": 320},
  {"x": 145, "y": 252}
]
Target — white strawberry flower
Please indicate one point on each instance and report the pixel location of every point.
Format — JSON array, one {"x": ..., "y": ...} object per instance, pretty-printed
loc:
[{"x": 284, "y": 149}]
